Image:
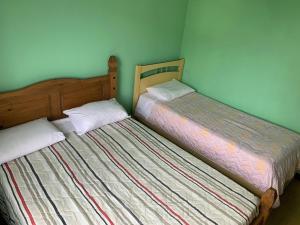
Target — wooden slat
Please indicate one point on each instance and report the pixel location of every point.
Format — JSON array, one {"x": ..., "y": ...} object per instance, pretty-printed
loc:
[
  {"x": 157, "y": 79},
  {"x": 112, "y": 72},
  {"x": 140, "y": 84},
  {"x": 146, "y": 68}
]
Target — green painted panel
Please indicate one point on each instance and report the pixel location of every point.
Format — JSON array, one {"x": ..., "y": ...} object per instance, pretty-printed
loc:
[
  {"x": 246, "y": 54},
  {"x": 42, "y": 39}
]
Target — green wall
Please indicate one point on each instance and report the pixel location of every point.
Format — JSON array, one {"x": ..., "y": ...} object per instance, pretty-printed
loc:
[
  {"x": 243, "y": 53},
  {"x": 246, "y": 54},
  {"x": 42, "y": 39}
]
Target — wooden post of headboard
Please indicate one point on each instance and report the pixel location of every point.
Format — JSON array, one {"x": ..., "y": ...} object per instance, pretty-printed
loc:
[
  {"x": 136, "y": 91},
  {"x": 180, "y": 69},
  {"x": 112, "y": 72}
]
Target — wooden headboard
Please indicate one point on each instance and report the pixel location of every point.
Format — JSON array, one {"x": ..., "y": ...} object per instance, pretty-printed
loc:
[
  {"x": 50, "y": 98},
  {"x": 149, "y": 75}
]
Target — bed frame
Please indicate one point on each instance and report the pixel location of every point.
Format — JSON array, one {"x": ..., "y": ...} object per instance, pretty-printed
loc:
[
  {"x": 50, "y": 98},
  {"x": 159, "y": 73},
  {"x": 152, "y": 74}
]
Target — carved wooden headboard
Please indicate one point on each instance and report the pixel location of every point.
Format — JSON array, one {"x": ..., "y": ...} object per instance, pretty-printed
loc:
[{"x": 50, "y": 98}]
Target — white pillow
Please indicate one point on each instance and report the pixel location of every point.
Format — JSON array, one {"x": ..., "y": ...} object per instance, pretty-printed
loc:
[
  {"x": 169, "y": 90},
  {"x": 27, "y": 138},
  {"x": 96, "y": 114},
  {"x": 64, "y": 125}
]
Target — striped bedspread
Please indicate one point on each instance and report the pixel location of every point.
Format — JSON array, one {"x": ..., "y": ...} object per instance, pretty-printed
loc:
[{"x": 123, "y": 173}]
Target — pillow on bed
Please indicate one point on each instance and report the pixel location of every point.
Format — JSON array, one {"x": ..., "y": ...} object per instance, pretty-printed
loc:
[
  {"x": 169, "y": 90},
  {"x": 96, "y": 114},
  {"x": 27, "y": 138},
  {"x": 64, "y": 125}
]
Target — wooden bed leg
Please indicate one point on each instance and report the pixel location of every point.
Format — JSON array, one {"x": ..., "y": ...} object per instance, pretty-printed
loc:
[
  {"x": 112, "y": 72},
  {"x": 266, "y": 204}
]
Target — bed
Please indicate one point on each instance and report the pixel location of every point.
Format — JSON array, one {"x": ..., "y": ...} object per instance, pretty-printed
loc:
[
  {"x": 253, "y": 152},
  {"x": 121, "y": 173}
]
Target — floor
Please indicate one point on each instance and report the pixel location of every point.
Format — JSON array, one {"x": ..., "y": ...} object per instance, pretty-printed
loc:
[{"x": 289, "y": 211}]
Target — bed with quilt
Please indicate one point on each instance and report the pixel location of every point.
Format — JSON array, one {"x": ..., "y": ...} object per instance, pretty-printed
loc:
[
  {"x": 122, "y": 173},
  {"x": 254, "y": 152},
  {"x": 99, "y": 166}
]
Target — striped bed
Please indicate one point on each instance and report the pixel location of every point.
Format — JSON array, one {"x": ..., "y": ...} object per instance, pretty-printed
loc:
[{"x": 122, "y": 173}]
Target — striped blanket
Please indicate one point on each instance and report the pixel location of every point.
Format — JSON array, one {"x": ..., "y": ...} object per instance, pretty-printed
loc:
[{"x": 122, "y": 173}]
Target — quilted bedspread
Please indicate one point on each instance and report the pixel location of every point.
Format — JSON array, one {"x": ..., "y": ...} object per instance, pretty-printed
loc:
[
  {"x": 123, "y": 173},
  {"x": 256, "y": 152}
]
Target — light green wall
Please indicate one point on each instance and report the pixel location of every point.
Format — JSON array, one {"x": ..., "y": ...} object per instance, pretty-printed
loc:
[
  {"x": 243, "y": 53},
  {"x": 246, "y": 54},
  {"x": 43, "y": 39}
]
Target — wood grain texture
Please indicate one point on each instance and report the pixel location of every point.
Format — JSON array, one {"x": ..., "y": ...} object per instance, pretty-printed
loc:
[
  {"x": 266, "y": 202},
  {"x": 289, "y": 211},
  {"x": 50, "y": 98}
]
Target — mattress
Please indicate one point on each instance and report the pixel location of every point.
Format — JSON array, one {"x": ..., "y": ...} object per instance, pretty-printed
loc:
[
  {"x": 123, "y": 173},
  {"x": 254, "y": 152}
]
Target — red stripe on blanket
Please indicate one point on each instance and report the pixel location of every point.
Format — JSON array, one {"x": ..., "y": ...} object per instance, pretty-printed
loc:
[
  {"x": 20, "y": 194},
  {"x": 184, "y": 173},
  {"x": 81, "y": 185},
  {"x": 138, "y": 182}
]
